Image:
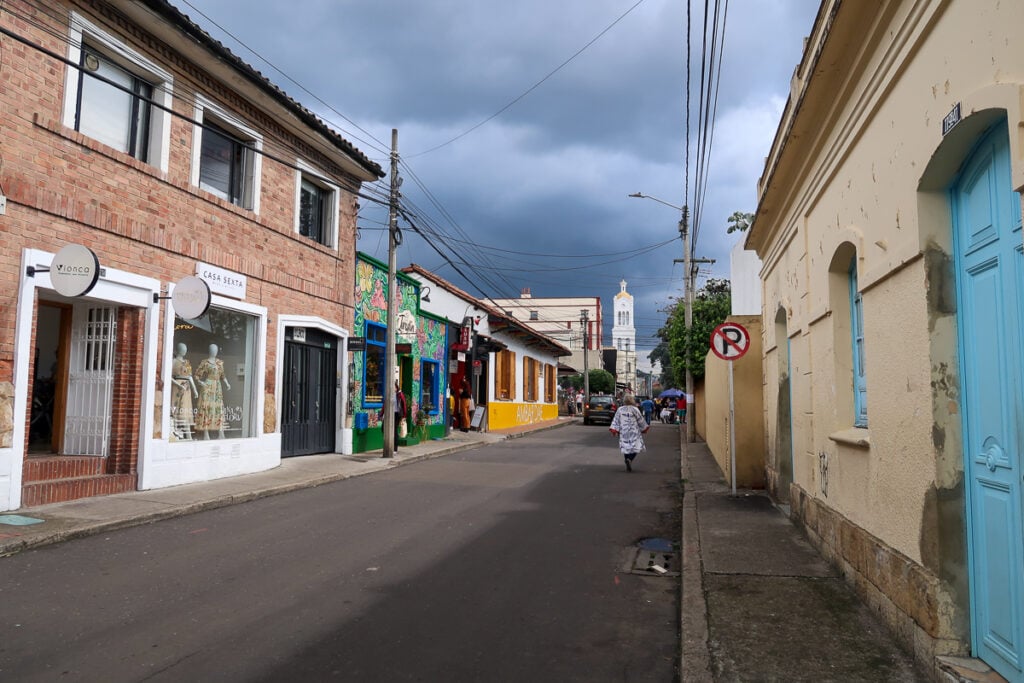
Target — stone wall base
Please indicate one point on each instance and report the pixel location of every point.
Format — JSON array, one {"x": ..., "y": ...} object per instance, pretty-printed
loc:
[{"x": 910, "y": 599}]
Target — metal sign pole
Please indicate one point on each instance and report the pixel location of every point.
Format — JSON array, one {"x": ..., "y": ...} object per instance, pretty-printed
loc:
[{"x": 732, "y": 431}]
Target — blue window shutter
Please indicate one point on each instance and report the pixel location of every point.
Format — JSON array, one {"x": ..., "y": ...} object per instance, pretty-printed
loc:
[{"x": 860, "y": 387}]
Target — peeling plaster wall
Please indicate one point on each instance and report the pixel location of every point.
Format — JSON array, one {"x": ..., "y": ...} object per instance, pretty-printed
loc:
[{"x": 870, "y": 169}]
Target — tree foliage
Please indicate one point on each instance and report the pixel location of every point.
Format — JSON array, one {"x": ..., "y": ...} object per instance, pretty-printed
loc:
[
  {"x": 739, "y": 221},
  {"x": 711, "y": 306},
  {"x": 601, "y": 381}
]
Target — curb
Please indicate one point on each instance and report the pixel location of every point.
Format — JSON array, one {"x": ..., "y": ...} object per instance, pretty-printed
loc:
[{"x": 694, "y": 653}]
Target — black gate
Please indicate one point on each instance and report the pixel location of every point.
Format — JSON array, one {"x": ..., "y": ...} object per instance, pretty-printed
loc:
[{"x": 310, "y": 391}]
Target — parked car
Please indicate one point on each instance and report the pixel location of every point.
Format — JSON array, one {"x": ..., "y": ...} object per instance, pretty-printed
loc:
[{"x": 599, "y": 409}]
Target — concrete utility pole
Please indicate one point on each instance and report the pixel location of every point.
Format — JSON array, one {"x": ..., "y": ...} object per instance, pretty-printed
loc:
[
  {"x": 688, "y": 291},
  {"x": 389, "y": 345},
  {"x": 585, "y": 323},
  {"x": 684, "y": 232}
]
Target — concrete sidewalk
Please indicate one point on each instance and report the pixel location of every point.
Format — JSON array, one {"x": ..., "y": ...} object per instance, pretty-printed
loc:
[
  {"x": 88, "y": 516},
  {"x": 759, "y": 603}
]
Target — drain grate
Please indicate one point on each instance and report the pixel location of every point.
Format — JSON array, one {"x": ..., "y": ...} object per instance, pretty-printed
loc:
[{"x": 656, "y": 556}]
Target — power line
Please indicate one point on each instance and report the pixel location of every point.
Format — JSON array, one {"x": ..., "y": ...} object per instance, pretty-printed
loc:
[{"x": 532, "y": 87}]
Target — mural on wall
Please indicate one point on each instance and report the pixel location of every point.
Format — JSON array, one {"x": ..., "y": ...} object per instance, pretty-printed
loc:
[{"x": 427, "y": 337}]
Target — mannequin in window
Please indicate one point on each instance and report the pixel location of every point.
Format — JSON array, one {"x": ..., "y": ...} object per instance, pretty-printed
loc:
[
  {"x": 183, "y": 390},
  {"x": 210, "y": 375}
]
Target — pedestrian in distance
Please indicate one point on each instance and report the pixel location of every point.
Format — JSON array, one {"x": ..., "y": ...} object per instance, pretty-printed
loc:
[
  {"x": 465, "y": 405},
  {"x": 629, "y": 425},
  {"x": 579, "y": 402},
  {"x": 400, "y": 408},
  {"x": 647, "y": 406}
]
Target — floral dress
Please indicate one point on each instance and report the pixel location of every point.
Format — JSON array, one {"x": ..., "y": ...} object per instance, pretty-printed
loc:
[
  {"x": 210, "y": 412},
  {"x": 181, "y": 401},
  {"x": 629, "y": 423}
]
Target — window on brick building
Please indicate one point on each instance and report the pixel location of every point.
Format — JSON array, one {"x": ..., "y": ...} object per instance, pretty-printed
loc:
[
  {"x": 316, "y": 211},
  {"x": 213, "y": 376},
  {"x": 225, "y": 166},
  {"x": 225, "y": 156},
  {"x": 109, "y": 96}
]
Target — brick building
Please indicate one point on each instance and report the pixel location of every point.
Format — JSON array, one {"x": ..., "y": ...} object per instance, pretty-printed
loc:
[{"x": 163, "y": 160}]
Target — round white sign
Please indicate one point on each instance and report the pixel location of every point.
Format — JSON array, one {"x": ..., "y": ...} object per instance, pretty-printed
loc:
[
  {"x": 74, "y": 270},
  {"x": 191, "y": 297}
]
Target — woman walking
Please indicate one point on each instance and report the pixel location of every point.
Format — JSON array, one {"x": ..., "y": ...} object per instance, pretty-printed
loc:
[{"x": 629, "y": 425}]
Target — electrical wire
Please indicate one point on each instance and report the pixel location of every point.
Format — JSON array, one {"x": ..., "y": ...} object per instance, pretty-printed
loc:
[
  {"x": 532, "y": 87},
  {"x": 379, "y": 146}
]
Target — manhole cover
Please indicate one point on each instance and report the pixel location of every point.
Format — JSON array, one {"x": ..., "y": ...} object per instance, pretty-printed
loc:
[{"x": 657, "y": 557}]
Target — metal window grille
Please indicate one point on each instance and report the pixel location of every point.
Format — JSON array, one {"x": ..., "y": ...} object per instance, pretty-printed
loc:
[{"x": 90, "y": 381}]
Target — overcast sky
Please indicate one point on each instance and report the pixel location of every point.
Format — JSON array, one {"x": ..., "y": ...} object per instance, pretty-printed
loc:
[{"x": 551, "y": 174}]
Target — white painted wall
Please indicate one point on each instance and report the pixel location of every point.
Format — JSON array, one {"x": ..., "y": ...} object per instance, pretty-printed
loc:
[{"x": 745, "y": 276}]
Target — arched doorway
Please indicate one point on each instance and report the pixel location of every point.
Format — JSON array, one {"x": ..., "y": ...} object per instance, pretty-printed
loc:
[
  {"x": 784, "y": 414},
  {"x": 990, "y": 268}
]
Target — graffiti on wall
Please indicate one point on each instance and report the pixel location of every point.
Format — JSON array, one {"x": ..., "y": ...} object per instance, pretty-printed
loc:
[
  {"x": 427, "y": 336},
  {"x": 529, "y": 413},
  {"x": 823, "y": 472}
]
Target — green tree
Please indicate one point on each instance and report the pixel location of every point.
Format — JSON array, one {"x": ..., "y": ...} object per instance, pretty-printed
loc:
[
  {"x": 601, "y": 381},
  {"x": 660, "y": 354},
  {"x": 739, "y": 221},
  {"x": 711, "y": 306}
]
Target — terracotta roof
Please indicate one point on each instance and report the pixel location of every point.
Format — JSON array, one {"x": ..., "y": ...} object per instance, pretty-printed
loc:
[{"x": 164, "y": 9}]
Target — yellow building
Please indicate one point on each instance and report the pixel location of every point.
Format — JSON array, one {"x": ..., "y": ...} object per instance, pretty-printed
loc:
[{"x": 889, "y": 226}]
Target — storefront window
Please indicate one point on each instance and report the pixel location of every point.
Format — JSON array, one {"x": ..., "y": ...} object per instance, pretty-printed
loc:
[
  {"x": 373, "y": 381},
  {"x": 213, "y": 376},
  {"x": 429, "y": 386}
]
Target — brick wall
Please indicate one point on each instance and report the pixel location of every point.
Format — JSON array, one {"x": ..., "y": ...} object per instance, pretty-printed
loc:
[{"x": 63, "y": 187}]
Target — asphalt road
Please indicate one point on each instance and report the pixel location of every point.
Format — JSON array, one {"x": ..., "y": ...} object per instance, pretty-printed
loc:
[{"x": 506, "y": 563}]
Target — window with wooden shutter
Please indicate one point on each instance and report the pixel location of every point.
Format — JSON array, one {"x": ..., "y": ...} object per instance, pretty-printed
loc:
[
  {"x": 549, "y": 383},
  {"x": 506, "y": 375}
]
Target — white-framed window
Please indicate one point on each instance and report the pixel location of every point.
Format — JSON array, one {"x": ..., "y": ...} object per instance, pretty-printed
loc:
[
  {"x": 316, "y": 207},
  {"x": 225, "y": 156},
  {"x": 108, "y": 97}
]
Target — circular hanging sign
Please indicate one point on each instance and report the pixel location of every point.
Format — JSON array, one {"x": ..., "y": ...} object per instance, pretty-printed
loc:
[
  {"x": 74, "y": 270},
  {"x": 191, "y": 297},
  {"x": 730, "y": 341}
]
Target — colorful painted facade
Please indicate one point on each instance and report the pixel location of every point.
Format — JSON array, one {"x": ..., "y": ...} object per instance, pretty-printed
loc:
[{"x": 421, "y": 366}]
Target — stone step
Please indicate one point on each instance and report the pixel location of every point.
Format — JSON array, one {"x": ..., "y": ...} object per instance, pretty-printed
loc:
[{"x": 73, "y": 488}]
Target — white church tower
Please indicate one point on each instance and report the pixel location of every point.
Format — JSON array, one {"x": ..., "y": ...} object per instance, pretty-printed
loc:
[
  {"x": 623, "y": 332},
  {"x": 624, "y": 339}
]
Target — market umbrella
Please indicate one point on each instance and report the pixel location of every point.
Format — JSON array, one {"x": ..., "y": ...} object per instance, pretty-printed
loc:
[{"x": 670, "y": 393}]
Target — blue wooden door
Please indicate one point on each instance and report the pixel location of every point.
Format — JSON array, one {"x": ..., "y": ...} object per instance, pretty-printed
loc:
[{"x": 987, "y": 237}]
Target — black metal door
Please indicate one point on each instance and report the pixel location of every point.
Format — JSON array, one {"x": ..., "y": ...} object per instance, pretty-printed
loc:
[{"x": 307, "y": 415}]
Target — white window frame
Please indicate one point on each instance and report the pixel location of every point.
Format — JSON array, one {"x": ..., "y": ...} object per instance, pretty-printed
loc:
[
  {"x": 81, "y": 29},
  {"x": 232, "y": 124},
  {"x": 316, "y": 177}
]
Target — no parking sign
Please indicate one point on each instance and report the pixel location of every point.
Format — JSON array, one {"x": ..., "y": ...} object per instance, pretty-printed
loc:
[{"x": 730, "y": 341}]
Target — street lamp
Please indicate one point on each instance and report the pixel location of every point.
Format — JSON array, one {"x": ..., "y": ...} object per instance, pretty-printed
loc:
[{"x": 684, "y": 232}]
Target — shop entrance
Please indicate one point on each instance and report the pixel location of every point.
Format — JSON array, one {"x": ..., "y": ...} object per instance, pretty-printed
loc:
[
  {"x": 73, "y": 379},
  {"x": 310, "y": 392}
]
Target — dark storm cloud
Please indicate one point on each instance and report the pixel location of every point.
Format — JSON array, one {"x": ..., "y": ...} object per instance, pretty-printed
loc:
[{"x": 553, "y": 172}]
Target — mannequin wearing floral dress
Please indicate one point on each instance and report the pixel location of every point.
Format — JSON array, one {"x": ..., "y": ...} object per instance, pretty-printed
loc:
[
  {"x": 210, "y": 412},
  {"x": 183, "y": 390}
]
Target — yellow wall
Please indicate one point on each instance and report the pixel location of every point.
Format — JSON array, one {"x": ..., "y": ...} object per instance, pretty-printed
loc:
[
  {"x": 748, "y": 410},
  {"x": 505, "y": 414}
]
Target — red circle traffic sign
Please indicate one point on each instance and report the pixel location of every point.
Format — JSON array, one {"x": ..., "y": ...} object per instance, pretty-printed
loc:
[{"x": 730, "y": 341}]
